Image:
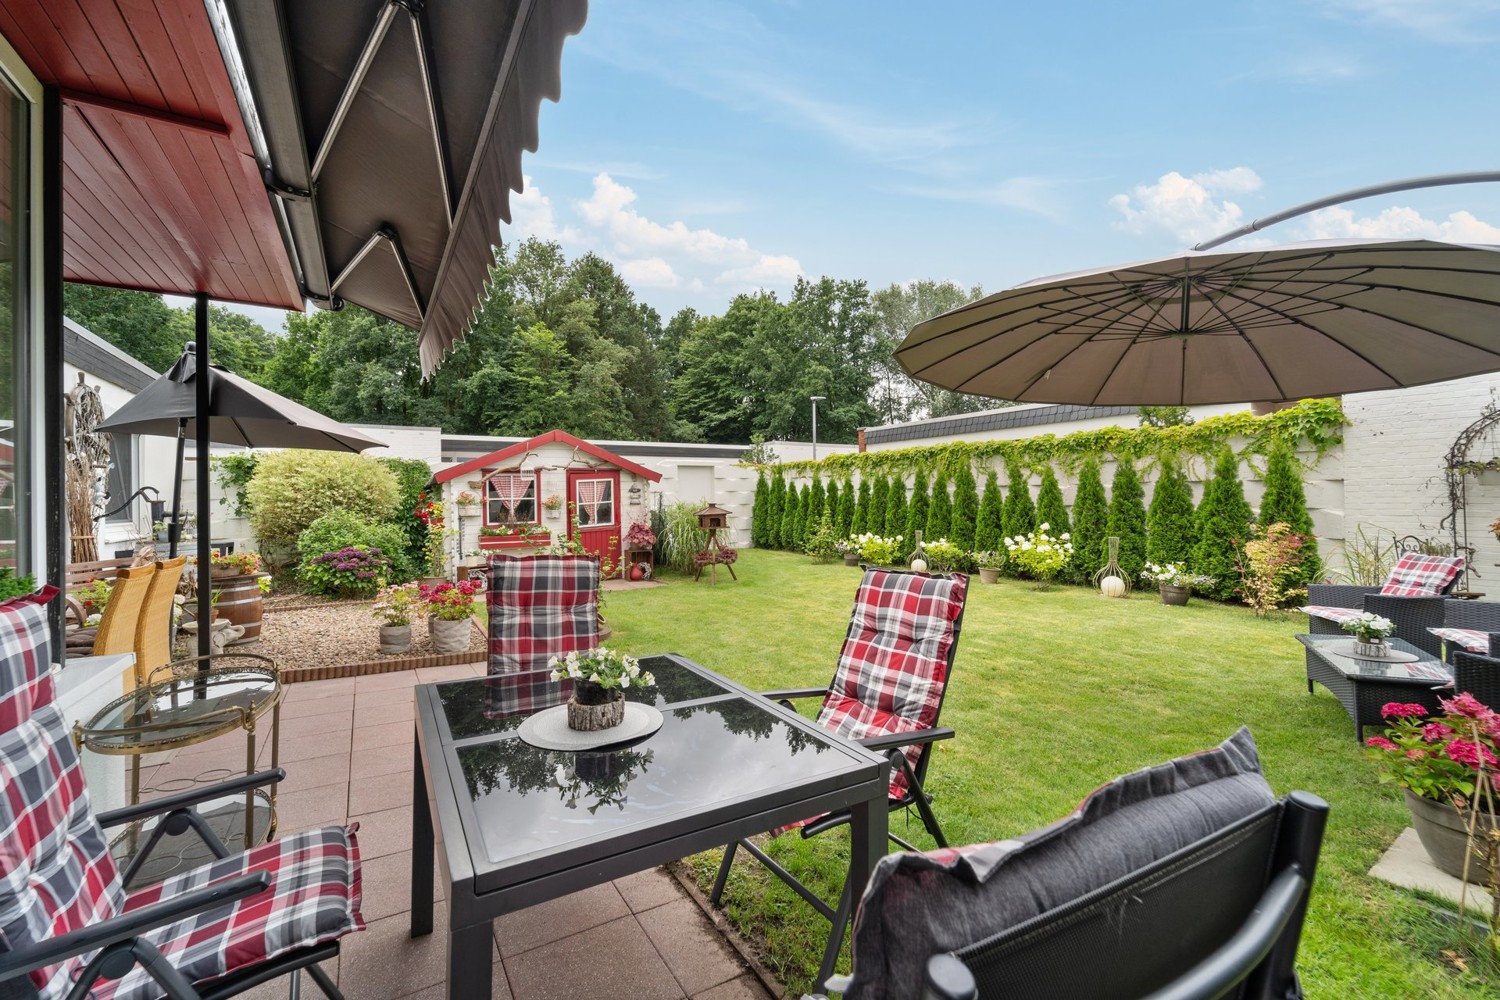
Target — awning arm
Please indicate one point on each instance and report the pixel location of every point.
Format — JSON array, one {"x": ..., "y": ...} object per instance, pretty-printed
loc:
[
  {"x": 355, "y": 83},
  {"x": 434, "y": 103},
  {"x": 390, "y": 236}
]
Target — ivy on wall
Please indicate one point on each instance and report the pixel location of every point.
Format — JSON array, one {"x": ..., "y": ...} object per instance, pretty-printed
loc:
[{"x": 1313, "y": 423}]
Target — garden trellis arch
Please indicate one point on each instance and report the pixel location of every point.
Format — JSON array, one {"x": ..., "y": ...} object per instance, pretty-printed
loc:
[{"x": 1475, "y": 450}]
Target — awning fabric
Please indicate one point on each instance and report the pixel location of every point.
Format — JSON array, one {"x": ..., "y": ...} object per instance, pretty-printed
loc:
[{"x": 395, "y": 132}]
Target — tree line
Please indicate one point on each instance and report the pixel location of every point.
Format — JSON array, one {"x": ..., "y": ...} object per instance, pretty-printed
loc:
[{"x": 559, "y": 343}]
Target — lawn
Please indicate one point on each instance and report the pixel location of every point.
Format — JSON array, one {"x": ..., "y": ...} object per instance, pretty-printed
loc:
[{"x": 1053, "y": 693}]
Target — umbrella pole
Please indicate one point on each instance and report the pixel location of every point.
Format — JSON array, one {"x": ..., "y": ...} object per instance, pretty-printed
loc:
[
  {"x": 174, "y": 531},
  {"x": 205, "y": 548}
]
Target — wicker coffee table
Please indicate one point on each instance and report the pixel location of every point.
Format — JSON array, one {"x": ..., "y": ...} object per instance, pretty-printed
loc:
[{"x": 1363, "y": 686}]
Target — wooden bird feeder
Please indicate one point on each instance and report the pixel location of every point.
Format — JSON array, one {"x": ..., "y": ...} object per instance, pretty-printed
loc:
[{"x": 713, "y": 519}]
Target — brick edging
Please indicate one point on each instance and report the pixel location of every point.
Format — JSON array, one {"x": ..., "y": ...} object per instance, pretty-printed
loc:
[{"x": 385, "y": 665}]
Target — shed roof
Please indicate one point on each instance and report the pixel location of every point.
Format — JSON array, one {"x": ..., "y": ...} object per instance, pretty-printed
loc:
[{"x": 532, "y": 444}]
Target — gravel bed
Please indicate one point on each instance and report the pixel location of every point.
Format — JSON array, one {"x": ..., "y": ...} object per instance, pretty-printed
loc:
[{"x": 332, "y": 633}]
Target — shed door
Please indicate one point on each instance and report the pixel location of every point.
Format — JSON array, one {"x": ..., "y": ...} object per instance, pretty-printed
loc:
[{"x": 594, "y": 499}]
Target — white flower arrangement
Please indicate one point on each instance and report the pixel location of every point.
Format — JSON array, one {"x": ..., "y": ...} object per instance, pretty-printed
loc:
[
  {"x": 1174, "y": 575},
  {"x": 1369, "y": 626},
  {"x": 601, "y": 666}
]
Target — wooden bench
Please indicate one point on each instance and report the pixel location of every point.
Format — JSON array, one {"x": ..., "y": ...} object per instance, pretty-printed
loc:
[{"x": 80, "y": 573}]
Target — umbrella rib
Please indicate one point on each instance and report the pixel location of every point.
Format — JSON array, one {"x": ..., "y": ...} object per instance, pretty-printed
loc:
[
  {"x": 1323, "y": 333},
  {"x": 1245, "y": 339}
]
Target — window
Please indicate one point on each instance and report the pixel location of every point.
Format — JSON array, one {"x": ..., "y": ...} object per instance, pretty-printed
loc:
[
  {"x": 18, "y": 364},
  {"x": 122, "y": 477},
  {"x": 596, "y": 502},
  {"x": 510, "y": 499}
]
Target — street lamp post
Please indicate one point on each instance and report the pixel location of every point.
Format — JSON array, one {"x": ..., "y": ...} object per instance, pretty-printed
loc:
[{"x": 815, "y": 401}]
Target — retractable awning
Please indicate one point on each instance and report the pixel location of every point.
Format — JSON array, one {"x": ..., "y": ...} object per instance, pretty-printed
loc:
[{"x": 395, "y": 130}]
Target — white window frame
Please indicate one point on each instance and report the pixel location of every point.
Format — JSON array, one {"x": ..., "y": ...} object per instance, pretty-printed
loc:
[
  {"x": 614, "y": 502},
  {"x": 536, "y": 499}
]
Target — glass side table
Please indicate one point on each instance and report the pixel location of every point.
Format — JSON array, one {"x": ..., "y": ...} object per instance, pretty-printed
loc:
[{"x": 182, "y": 706}]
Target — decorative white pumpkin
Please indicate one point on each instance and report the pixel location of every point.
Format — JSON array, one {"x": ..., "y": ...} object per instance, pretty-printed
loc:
[
  {"x": 919, "y": 564},
  {"x": 1112, "y": 586}
]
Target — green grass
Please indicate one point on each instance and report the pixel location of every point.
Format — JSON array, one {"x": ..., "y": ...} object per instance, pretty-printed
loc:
[{"x": 1053, "y": 693}]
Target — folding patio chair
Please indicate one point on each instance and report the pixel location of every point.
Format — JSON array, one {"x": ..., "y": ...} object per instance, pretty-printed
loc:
[
  {"x": 69, "y": 928},
  {"x": 1188, "y": 881},
  {"x": 541, "y": 607},
  {"x": 886, "y": 695},
  {"x": 1412, "y": 597}
]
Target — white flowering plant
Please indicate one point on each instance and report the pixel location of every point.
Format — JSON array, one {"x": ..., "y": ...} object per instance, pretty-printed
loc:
[
  {"x": 877, "y": 549},
  {"x": 943, "y": 556},
  {"x": 602, "y": 666},
  {"x": 1040, "y": 553},
  {"x": 1175, "y": 575},
  {"x": 1369, "y": 626}
]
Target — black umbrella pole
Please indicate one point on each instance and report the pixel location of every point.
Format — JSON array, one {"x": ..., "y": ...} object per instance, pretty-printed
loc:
[
  {"x": 205, "y": 548},
  {"x": 174, "y": 530}
]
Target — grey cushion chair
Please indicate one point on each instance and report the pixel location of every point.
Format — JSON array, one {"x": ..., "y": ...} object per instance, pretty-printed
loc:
[{"x": 1478, "y": 675}]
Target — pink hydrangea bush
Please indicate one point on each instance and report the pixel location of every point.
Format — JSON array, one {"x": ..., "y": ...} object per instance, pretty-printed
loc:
[{"x": 1438, "y": 758}]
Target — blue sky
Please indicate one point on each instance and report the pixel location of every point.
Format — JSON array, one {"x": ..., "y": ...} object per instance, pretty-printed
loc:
[{"x": 710, "y": 148}]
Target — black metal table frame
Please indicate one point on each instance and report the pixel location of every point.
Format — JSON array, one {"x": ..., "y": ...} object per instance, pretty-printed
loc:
[
  {"x": 1363, "y": 697},
  {"x": 471, "y": 913}
]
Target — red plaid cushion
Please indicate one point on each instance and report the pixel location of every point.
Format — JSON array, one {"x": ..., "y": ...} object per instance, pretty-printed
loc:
[
  {"x": 895, "y": 658},
  {"x": 523, "y": 693},
  {"x": 1416, "y": 575},
  {"x": 314, "y": 897},
  {"x": 1336, "y": 615},
  {"x": 541, "y": 607},
  {"x": 1471, "y": 639},
  {"x": 56, "y": 873}
]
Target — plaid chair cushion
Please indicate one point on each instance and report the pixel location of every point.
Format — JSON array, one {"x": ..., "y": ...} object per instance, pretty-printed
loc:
[
  {"x": 894, "y": 662},
  {"x": 314, "y": 897},
  {"x": 515, "y": 695},
  {"x": 1336, "y": 615},
  {"x": 540, "y": 607},
  {"x": 1471, "y": 639},
  {"x": 56, "y": 873},
  {"x": 1416, "y": 575}
]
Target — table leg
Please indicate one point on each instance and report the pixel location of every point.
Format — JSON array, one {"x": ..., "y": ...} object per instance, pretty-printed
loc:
[
  {"x": 470, "y": 972},
  {"x": 422, "y": 855},
  {"x": 868, "y": 827}
]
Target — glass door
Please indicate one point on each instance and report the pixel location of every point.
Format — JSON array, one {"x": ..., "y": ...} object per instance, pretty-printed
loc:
[{"x": 21, "y": 548}]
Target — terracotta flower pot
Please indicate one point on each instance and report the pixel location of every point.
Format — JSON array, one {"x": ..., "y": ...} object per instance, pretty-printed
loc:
[
  {"x": 1174, "y": 596},
  {"x": 1444, "y": 832},
  {"x": 448, "y": 637}
]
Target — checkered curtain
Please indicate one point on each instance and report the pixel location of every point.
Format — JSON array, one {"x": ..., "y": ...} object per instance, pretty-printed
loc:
[
  {"x": 591, "y": 493},
  {"x": 510, "y": 490}
]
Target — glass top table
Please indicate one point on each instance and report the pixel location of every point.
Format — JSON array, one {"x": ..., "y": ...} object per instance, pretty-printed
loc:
[
  {"x": 519, "y": 825},
  {"x": 1364, "y": 684}
]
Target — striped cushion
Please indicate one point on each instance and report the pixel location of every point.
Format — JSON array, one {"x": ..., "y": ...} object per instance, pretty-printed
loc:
[
  {"x": 541, "y": 607},
  {"x": 1417, "y": 575},
  {"x": 314, "y": 897},
  {"x": 1471, "y": 639},
  {"x": 1336, "y": 615}
]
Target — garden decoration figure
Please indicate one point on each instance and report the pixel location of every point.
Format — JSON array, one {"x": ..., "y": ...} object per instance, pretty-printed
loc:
[{"x": 1111, "y": 579}]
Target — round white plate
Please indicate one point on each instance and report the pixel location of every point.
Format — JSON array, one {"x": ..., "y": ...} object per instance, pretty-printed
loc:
[{"x": 548, "y": 730}]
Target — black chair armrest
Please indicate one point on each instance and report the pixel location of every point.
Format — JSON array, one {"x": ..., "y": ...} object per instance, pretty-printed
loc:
[
  {"x": 1330, "y": 595},
  {"x": 794, "y": 693},
  {"x": 131, "y": 923},
  {"x": 191, "y": 797},
  {"x": 948, "y": 978},
  {"x": 894, "y": 741}
]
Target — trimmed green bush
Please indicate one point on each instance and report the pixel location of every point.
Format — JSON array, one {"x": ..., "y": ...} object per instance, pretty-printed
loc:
[
  {"x": 989, "y": 525},
  {"x": 1127, "y": 518},
  {"x": 1223, "y": 527},
  {"x": 1050, "y": 508},
  {"x": 1286, "y": 501},
  {"x": 777, "y": 496},
  {"x": 879, "y": 491},
  {"x": 962, "y": 528},
  {"x": 916, "y": 512},
  {"x": 292, "y": 489},
  {"x": 788, "y": 532},
  {"x": 844, "y": 516},
  {"x": 895, "y": 507},
  {"x": 1090, "y": 521},
  {"x": 814, "y": 507},
  {"x": 1169, "y": 521},
  {"x": 861, "y": 522},
  {"x": 939, "y": 511},
  {"x": 342, "y": 529},
  {"x": 804, "y": 517},
  {"x": 758, "y": 513},
  {"x": 1019, "y": 517}
]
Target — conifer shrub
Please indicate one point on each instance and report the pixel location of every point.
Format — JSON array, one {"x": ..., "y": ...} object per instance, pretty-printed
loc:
[
  {"x": 861, "y": 522},
  {"x": 875, "y": 523},
  {"x": 843, "y": 517},
  {"x": 1019, "y": 517},
  {"x": 916, "y": 512},
  {"x": 1285, "y": 502},
  {"x": 789, "y": 519},
  {"x": 895, "y": 507},
  {"x": 989, "y": 524},
  {"x": 776, "y": 500},
  {"x": 804, "y": 512},
  {"x": 1090, "y": 521},
  {"x": 1169, "y": 521},
  {"x": 814, "y": 506},
  {"x": 1223, "y": 526},
  {"x": 964, "y": 524},
  {"x": 1050, "y": 508},
  {"x": 758, "y": 514},
  {"x": 939, "y": 510},
  {"x": 1127, "y": 518}
]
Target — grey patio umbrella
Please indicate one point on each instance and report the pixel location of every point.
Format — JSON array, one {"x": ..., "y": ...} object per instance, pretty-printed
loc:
[
  {"x": 240, "y": 412},
  {"x": 1268, "y": 324}
]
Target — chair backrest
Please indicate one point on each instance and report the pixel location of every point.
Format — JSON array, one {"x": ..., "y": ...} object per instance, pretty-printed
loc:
[
  {"x": 1196, "y": 853},
  {"x": 79, "y": 573},
  {"x": 1478, "y": 675},
  {"x": 897, "y": 657},
  {"x": 153, "y": 631},
  {"x": 122, "y": 613},
  {"x": 541, "y": 607},
  {"x": 56, "y": 872},
  {"x": 1481, "y": 615},
  {"x": 1419, "y": 575}
]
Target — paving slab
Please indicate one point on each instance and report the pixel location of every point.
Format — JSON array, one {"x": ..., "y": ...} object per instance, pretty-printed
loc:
[{"x": 1406, "y": 864}]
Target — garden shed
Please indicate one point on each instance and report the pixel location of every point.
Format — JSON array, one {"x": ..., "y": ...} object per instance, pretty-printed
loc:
[{"x": 523, "y": 494}]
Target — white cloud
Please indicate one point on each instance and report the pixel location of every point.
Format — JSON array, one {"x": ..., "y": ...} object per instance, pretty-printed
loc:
[
  {"x": 1398, "y": 223},
  {"x": 1452, "y": 21},
  {"x": 531, "y": 214},
  {"x": 767, "y": 272},
  {"x": 651, "y": 272},
  {"x": 1190, "y": 208}
]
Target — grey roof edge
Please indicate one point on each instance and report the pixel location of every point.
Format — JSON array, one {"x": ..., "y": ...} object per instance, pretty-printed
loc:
[
  {"x": 86, "y": 350},
  {"x": 992, "y": 420},
  {"x": 473, "y": 446}
]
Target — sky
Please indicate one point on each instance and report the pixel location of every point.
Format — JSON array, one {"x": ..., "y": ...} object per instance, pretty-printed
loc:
[{"x": 710, "y": 148}]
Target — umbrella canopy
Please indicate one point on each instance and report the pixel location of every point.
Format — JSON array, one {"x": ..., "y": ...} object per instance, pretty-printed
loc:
[
  {"x": 240, "y": 412},
  {"x": 1271, "y": 324}
]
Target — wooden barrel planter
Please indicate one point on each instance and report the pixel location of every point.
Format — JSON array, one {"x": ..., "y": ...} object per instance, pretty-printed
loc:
[{"x": 240, "y": 602}]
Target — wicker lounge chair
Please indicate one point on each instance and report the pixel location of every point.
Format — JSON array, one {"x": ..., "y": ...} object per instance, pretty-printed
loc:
[
  {"x": 1470, "y": 626},
  {"x": 1478, "y": 675},
  {"x": 1413, "y": 598}
]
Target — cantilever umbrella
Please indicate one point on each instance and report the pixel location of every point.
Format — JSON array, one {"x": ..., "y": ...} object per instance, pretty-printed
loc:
[{"x": 1269, "y": 324}]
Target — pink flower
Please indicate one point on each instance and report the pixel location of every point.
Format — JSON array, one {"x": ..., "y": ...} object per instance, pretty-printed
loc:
[
  {"x": 1380, "y": 743},
  {"x": 1402, "y": 710},
  {"x": 1471, "y": 753},
  {"x": 1434, "y": 731},
  {"x": 1416, "y": 753},
  {"x": 1465, "y": 704}
]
